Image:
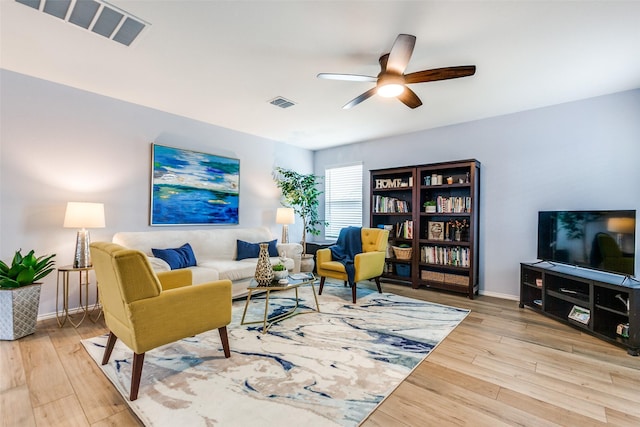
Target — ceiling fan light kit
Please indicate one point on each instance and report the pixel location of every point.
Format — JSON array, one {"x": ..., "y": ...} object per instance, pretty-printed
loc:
[
  {"x": 392, "y": 82},
  {"x": 390, "y": 86}
]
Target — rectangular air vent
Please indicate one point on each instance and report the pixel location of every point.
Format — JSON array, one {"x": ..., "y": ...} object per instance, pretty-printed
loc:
[
  {"x": 282, "y": 102},
  {"x": 96, "y": 16}
]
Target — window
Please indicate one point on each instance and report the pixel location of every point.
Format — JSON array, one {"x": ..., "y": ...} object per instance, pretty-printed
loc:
[{"x": 343, "y": 198}]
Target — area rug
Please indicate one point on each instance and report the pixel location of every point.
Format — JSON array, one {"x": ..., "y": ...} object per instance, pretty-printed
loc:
[{"x": 316, "y": 369}]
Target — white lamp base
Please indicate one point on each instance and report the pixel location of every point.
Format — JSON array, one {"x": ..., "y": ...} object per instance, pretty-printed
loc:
[
  {"x": 82, "y": 258},
  {"x": 285, "y": 233}
]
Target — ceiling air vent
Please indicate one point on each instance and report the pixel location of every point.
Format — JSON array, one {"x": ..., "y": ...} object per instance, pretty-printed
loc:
[
  {"x": 282, "y": 102},
  {"x": 93, "y": 15}
]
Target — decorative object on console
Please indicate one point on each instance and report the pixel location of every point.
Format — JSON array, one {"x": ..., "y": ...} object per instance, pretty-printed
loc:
[
  {"x": 580, "y": 314},
  {"x": 189, "y": 187},
  {"x": 285, "y": 216},
  {"x": 19, "y": 295},
  {"x": 83, "y": 215},
  {"x": 264, "y": 271}
]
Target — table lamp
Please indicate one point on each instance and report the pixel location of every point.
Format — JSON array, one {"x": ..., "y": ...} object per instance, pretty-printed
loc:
[
  {"x": 83, "y": 215},
  {"x": 285, "y": 216}
]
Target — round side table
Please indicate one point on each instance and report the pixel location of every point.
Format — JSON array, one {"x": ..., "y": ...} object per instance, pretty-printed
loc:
[{"x": 62, "y": 313}]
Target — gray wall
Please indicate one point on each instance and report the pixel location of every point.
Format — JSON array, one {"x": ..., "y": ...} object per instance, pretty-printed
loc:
[
  {"x": 580, "y": 155},
  {"x": 60, "y": 144}
]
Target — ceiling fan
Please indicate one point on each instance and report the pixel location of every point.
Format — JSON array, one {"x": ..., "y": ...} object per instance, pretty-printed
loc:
[{"x": 392, "y": 82}]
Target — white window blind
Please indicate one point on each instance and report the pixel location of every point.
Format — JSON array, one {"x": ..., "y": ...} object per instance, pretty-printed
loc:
[{"x": 343, "y": 198}]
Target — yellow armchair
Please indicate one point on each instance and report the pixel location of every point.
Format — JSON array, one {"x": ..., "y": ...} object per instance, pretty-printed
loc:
[
  {"x": 368, "y": 265},
  {"x": 146, "y": 310}
]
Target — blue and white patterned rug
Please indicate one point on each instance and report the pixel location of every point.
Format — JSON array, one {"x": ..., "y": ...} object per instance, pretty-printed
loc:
[{"x": 318, "y": 369}]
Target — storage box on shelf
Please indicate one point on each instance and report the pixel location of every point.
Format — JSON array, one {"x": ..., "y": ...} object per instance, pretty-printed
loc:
[
  {"x": 605, "y": 305},
  {"x": 445, "y": 241}
]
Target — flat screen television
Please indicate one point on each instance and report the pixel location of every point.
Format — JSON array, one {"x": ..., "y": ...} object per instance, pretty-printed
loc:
[{"x": 602, "y": 240}]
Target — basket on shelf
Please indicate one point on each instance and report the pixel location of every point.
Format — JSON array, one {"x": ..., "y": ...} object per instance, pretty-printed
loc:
[{"x": 402, "y": 253}]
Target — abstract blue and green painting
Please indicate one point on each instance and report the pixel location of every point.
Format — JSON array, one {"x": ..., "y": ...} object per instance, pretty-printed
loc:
[{"x": 189, "y": 187}]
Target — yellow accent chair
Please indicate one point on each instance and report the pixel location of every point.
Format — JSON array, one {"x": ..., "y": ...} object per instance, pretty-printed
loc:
[
  {"x": 147, "y": 310},
  {"x": 368, "y": 265}
]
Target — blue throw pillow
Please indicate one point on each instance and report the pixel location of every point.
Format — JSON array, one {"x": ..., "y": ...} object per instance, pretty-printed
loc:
[
  {"x": 181, "y": 257},
  {"x": 252, "y": 250}
]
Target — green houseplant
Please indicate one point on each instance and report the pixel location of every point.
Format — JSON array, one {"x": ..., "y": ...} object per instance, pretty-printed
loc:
[
  {"x": 301, "y": 194},
  {"x": 280, "y": 271},
  {"x": 20, "y": 293}
]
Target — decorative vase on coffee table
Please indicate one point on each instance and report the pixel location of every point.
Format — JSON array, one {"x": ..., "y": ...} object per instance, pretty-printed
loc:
[{"x": 264, "y": 271}]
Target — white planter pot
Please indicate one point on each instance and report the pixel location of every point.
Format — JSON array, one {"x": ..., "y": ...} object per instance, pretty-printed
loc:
[
  {"x": 278, "y": 275},
  {"x": 19, "y": 311},
  {"x": 307, "y": 263}
]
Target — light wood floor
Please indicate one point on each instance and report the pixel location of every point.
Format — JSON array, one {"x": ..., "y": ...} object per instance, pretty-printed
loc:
[{"x": 501, "y": 366}]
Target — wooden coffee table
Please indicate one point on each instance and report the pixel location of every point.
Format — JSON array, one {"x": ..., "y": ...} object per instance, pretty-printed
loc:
[{"x": 294, "y": 283}]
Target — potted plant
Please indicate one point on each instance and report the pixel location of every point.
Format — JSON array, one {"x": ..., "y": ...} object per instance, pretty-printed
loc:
[
  {"x": 20, "y": 293},
  {"x": 300, "y": 193},
  {"x": 430, "y": 206},
  {"x": 280, "y": 271}
]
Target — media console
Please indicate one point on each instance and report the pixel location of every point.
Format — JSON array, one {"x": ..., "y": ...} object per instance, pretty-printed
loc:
[{"x": 602, "y": 304}]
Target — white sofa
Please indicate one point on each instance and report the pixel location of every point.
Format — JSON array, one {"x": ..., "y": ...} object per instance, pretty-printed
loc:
[{"x": 215, "y": 252}]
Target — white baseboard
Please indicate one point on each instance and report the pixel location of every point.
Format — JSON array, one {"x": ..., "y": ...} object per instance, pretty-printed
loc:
[
  {"x": 499, "y": 295},
  {"x": 72, "y": 311}
]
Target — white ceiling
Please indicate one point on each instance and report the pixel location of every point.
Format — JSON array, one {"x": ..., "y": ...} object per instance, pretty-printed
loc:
[{"x": 220, "y": 62}]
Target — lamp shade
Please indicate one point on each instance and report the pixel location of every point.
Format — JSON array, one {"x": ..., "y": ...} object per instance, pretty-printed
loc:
[
  {"x": 621, "y": 225},
  {"x": 84, "y": 215},
  {"x": 285, "y": 216}
]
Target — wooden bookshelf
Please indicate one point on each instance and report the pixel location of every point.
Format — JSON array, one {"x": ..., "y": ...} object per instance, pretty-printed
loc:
[{"x": 441, "y": 258}]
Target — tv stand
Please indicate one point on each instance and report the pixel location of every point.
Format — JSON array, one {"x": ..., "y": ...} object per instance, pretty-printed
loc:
[{"x": 595, "y": 302}]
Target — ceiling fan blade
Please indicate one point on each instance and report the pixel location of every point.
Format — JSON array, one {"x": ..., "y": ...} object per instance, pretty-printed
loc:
[
  {"x": 409, "y": 98},
  {"x": 401, "y": 53},
  {"x": 357, "y": 100},
  {"x": 347, "y": 77},
  {"x": 383, "y": 62},
  {"x": 440, "y": 74}
]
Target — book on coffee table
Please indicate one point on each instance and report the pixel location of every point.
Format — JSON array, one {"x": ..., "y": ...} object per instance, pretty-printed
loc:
[{"x": 301, "y": 276}]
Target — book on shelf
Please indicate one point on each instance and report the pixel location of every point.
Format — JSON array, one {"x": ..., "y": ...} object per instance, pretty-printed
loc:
[
  {"x": 384, "y": 204},
  {"x": 455, "y": 256},
  {"x": 453, "y": 204},
  {"x": 404, "y": 229}
]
